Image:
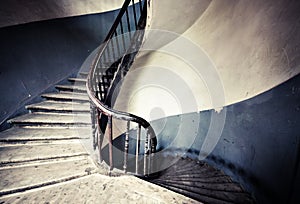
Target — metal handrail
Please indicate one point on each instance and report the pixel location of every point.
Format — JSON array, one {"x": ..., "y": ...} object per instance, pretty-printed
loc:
[{"x": 100, "y": 108}]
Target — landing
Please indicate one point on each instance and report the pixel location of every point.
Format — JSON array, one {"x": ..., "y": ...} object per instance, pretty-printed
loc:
[{"x": 99, "y": 189}]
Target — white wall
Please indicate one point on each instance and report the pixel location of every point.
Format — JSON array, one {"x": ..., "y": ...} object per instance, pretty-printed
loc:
[
  {"x": 13, "y": 12},
  {"x": 246, "y": 47}
]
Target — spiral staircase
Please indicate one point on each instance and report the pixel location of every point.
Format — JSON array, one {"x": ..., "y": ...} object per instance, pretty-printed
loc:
[{"x": 43, "y": 149}]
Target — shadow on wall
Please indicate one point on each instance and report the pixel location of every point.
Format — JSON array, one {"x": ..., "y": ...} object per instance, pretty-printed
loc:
[
  {"x": 259, "y": 146},
  {"x": 36, "y": 56}
]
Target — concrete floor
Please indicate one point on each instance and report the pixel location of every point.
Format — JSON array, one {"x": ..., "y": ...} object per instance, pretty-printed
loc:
[{"x": 43, "y": 160}]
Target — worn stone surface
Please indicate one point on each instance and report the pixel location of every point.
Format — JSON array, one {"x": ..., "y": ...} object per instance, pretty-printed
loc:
[
  {"x": 66, "y": 96},
  {"x": 23, "y": 153},
  {"x": 42, "y": 160},
  {"x": 44, "y": 133},
  {"x": 60, "y": 106},
  {"x": 100, "y": 189},
  {"x": 76, "y": 87},
  {"x": 53, "y": 118},
  {"x": 79, "y": 80},
  {"x": 21, "y": 177}
]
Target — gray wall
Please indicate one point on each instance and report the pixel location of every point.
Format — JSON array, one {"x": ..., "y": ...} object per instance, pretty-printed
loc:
[
  {"x": 36, "y": 56},
  {"x": 259, "y": 146}
]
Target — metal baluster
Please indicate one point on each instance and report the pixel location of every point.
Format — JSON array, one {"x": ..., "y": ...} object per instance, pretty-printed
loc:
[
  {"x": 100, "y": 135},
  {"x": 108, "y": 54},
  {"x": 126, "y": 146},
  {"x": 98, "y": 91},
  {"x": 149, "y": 154},
  {"x": 146, "y": 155},
  {"x": 104, "y": 56},
  {"x": 110, "y": 141},
  {"x": 94, "y": 128},
  {"x": 128, "y": 25},
  {"x": 140, "y": 3},
  {"x": 134, "y": 14},
  {"x": 113, "y": 50},
  {"x": 118, "y": 44},
  {"x": 123, "y": 38},
  {"x": 128, "y": 21},
  {"x": 137, "y": 151}
]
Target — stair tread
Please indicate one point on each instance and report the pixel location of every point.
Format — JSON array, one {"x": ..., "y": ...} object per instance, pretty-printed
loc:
[
  {"x": 199, "y": 197},
  {"x": 221, "y": 179},
  {"x": 77, "y": 79},
  {"x": 25, "y": 153},
  {"x": 195, "y": 174},
  {"x": 227, "y": 187},
  {"x": 199, "y": 180},
  {"x": 60, "y": 106},
  {"x": 84, "y": 73},
  {"x": 38, "y": 133},
  {"x": 66, "y": 96},
  {"x": 37, "y": 175},
  {"x": 53, "y": 118},
  {"x": 75, "y": 87},
  {"x": 235, "y": 197}
]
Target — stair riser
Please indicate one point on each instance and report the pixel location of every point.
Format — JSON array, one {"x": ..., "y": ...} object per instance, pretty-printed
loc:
[
  {"x": 39, "y": 124},
  {"x": 33, "y": 110},
  {"x": 71, "y": 90},
  {"x": 196, "y": 196},
  {"x": 219, "y": 195},
  {"x": 65, "y": 99}
]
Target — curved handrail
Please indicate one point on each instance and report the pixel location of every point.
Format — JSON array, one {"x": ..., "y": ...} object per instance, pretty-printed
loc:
[{"x": 102, "y": 108}]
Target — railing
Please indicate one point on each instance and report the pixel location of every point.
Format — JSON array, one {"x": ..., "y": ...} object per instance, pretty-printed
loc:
[{"x": 110, "y": 65}]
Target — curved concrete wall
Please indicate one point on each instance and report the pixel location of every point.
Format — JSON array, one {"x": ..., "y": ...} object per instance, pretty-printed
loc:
[
  {"x": 251, "y": 48},
  {"x": 13, "y": 12},
  {"x": 258, "y": 146}
]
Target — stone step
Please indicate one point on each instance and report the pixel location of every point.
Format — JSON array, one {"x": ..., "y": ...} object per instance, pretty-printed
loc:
[
  {"x": 40, "y": 118},
  {"x": 228, "y": 187},
  {"x": 19, "y": 179},
  {"x": 77, "y": 80},
  {"x": 16, "y": 154},
  {"x": 66, "y": 96},
  {"x": 72, "y": 88},
  {"x": 84, "y": 74},
  {"x": 221, "y": 179},
  {"x": 97, "y": 188},
  {"x": 23, "y": 134},
  {"x": 231, "y": 197},
  {"x": 195, "y": 174},
  {"x": 59, "y": 106},
  {"x": 196, "y": 196}
]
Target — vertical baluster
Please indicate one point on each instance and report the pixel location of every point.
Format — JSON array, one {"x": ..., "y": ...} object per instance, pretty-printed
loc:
[
  {"x": 146, "y": 155},
  {"x": 137, "y": 150},
  {"x": 126, "y": 146},
  {"x": 100, "y": 135},
  {"x": 108, "y": 54},
  {"x": 140, "y": 3},
  {"x": 97, "y": 80},
  {"x": 149, "y": 153},
  {"x": 113, "y": 50},
  {"x": 128, "y": 25},
  {"x": 134, "y": 13},
  {"x": 118, "y": 44},
  {"x": 110, "y": 141},
  {"x": 94, "y": 128},
  {"x": 128, "y": 21},
  {"x": 104, "y": 56},
  {"x": 123, "y": 38}
]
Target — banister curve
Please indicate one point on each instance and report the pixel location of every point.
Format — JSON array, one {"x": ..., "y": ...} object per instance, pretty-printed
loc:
[{"x": 93, "y": 93}]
